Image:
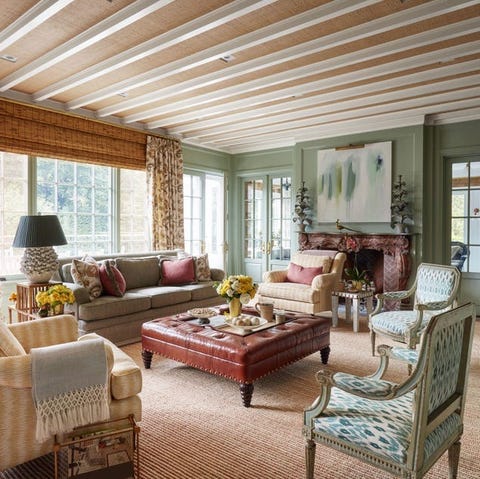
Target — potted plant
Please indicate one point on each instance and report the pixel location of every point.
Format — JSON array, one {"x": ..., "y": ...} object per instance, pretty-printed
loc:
[
  {"x": 401, "y": 213},
  {"x": 302, "y": 208}
]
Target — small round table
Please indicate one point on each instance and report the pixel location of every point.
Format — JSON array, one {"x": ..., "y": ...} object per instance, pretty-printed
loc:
[{"x": 352, "y": 299}]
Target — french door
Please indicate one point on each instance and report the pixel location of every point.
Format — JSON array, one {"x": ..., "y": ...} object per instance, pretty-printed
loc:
[
  {"x": 203, "y": 204},
  {"x": 266, "y": 223}
]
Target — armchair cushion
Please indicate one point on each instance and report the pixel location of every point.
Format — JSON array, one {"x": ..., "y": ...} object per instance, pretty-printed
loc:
[
  {"x": 303, "y": 275},
  {"x": 9, "y": 344},
  {"x": 313, "y": 261},
  {"x": 361, "y": 385},
  {"x": 382, "y": 427},
  {"x": 398, "y": 322}
]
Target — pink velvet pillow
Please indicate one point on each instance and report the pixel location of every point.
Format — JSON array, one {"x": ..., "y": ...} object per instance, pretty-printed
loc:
[
  {"x": 113, "y": 282},
  {"x": 179, "y": 271},
  {"x": 299, "y": 274}
]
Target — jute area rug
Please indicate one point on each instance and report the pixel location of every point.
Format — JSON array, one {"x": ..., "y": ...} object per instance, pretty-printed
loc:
[{"x": 195, "y": 427}]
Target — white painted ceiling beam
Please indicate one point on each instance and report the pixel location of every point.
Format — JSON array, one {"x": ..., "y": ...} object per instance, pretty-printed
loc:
[
  {"x": 402, "y": 82},
  {"x": 455, "y": 89},
  {"x": 358, "y": 75},
  {"x": 30, "y": 20},
  {"x": 314, "y": 46},
  {"x": 94, "y": 34},
  {"x": 324, "y": 115},
  {"x": 248, "y": 40},
  {"x": 195, "y": 27}
]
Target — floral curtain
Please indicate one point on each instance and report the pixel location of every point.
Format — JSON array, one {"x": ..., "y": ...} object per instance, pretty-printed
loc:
[{"x": 164, "y": 162}]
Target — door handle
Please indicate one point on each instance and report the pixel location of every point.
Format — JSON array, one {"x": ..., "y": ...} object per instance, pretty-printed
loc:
[{"x": 269, "y": 247}]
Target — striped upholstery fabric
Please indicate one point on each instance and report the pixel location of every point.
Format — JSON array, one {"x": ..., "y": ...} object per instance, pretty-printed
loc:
[
  {"x": 17, "y": 412},
  {"x": 304, "y": 298}
]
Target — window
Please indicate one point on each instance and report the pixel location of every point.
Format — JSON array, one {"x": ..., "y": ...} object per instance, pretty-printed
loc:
[
  {"x": 101, "y": 209},
  {"x": 203, "y": 208},
  {"x": 13, "y": 204},
  {"x": 134, "y": 219},
  {"x": 465, "y": 227},
  {"x": 81, "y": 195}
]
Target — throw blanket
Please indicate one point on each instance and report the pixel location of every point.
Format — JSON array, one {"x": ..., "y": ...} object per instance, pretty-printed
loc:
[{"x": 69, "y": 386}]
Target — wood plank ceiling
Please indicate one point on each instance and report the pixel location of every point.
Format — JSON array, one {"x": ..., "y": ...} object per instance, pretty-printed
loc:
[{"x": 246, "y": 75}]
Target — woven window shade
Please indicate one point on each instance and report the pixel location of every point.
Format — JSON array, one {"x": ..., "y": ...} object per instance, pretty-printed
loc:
[{"x": 39, "y": 132}]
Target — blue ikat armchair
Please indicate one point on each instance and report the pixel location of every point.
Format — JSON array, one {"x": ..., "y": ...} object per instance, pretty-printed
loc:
[
  {"x": 435, "y": 290},
  {"x": 401, "y": 428}
]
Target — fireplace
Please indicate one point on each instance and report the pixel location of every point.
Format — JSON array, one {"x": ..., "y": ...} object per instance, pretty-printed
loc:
[{"x": 386, "y": 256}]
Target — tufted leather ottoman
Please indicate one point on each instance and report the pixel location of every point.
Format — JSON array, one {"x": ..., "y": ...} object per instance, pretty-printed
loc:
[{"x": 241, "y": 358}]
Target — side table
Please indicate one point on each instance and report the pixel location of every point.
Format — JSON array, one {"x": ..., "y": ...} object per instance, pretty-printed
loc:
[
  {"x": 352, "y": 299},
  {"x": 26, "y": 306}
]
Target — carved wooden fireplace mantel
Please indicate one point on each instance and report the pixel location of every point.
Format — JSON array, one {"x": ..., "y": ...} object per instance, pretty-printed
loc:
[{"x": 392, "y": 275}]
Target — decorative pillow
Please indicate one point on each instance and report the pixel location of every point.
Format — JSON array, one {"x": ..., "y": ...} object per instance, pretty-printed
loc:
[
  {"x": 85, "y": 272},
  {"x": 139, "y": 272},
  {"x": 9, "y": 344},
  {"x": 299, "y": 274},
  {"x": 113, "y": 282},
  {"x": 176, "y": 272},
  {"x": 202, "y": 268},
  {"x": 313, "y": 261}
]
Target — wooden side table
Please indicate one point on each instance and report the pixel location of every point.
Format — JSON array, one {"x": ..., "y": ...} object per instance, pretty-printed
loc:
[
  {"x": 26, "y": 307},
  {"x": 352, "y": 300}
]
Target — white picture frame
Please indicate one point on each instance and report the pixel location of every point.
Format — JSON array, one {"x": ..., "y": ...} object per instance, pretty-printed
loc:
[{"x": 355, "y": 184}]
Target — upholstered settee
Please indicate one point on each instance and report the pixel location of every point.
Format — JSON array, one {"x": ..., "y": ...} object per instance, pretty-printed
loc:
[
  {"x": 307, "y": 285},
  {"x": 148, "y": 294},
  {"x": 17, "y": 410}
]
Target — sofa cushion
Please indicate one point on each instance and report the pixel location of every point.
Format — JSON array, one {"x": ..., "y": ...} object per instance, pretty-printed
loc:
[
  {"x": 139, "y": 272},
  {"x": 299, "y": 274},
  {"x": 202, "y": 268},
  {"x": 67, "y": 273},
  {"x": 161, "y": 296},
  {"x": 313, "y": 261},
  {"x": 111, "y": 306},
  {"x": 86, "y": 273},
  {"x": 125, "y": 377},
  {"x": 9, "y": 344},
  {"x": 177, "y": 272},
  {"x": 202, "y": 290},
  {"x": 113, "y": 282}
]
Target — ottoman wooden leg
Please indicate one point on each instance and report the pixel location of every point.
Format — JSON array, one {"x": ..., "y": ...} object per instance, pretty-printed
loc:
[
  {"x": 324, "y": 353},
  {"x": 246, "y": 391},
  {"x": 147, "y": 358}
]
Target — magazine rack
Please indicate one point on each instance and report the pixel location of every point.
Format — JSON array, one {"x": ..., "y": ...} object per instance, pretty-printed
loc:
[{"x": 99, "y": 451}]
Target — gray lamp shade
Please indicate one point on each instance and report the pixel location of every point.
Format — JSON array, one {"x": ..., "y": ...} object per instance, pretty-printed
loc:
[{"x": 39, "y": 231}]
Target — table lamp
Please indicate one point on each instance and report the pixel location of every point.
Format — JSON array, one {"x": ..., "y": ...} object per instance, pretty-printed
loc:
[{"x": 37, "y": 234}]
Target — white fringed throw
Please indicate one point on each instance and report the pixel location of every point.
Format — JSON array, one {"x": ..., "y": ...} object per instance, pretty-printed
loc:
[{"x": 70, "y": 386}]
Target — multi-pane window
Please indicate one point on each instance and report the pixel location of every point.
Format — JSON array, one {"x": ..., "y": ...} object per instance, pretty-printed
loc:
[
  {"x": 13, "y": 204},
  {"x": 134, "y": 219},
  {"x": 203, "y": 211},
  {"x": 281, "y": 218},
  {"x": 82, "y": 196},
  {"x": 101, "y": 209},
  {"x": 465, "y": 228}
]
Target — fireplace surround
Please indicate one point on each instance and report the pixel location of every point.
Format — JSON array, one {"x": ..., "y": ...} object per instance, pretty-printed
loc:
[{"x": 390, "y": 266}]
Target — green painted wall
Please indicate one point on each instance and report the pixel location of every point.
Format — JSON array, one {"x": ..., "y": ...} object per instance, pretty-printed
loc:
[{"x": 202, "y": 158}]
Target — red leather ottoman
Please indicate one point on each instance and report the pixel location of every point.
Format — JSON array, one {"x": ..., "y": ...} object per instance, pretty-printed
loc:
[{"x": 241, "y": 358}]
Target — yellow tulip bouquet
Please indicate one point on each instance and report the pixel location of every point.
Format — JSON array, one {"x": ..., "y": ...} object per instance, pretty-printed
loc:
[{"x": 237, "y": 286}]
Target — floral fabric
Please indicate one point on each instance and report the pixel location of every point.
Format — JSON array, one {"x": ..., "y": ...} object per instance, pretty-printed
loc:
[
  {"x": 86, "y": 272},
  {"x": 164, "y": 162},
  {"x": 202, "y": 268}
]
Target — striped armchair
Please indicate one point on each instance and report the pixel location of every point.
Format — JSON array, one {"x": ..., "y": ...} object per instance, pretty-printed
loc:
[
  {"x": 402, "y": 428},
  {"x": 17, "y": 411}
]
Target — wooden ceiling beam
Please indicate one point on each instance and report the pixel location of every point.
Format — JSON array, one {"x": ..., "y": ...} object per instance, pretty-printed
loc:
[
  {"x": 92, "y": 35},
  {"x": 248, "y": 40},
  {"x": 38, "y": 14},
  {"x": 195, "y": 27}
]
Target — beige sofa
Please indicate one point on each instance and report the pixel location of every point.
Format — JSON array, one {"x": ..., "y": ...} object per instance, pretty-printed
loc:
[
  {"x": 120, "y": 318},
  {"x": 17, "y": 411},
  {"x": 304, "y": 298}
]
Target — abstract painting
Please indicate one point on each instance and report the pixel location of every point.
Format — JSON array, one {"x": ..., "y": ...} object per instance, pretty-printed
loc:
[{"x": 355, "y": 184}]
